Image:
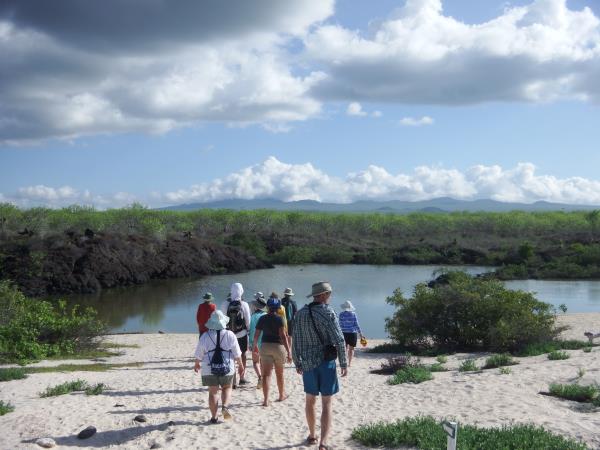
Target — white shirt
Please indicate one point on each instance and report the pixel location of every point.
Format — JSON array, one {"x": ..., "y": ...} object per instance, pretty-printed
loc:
[
  {"x": 245, "y": 312},
  {"x": 208, "y": 342}
]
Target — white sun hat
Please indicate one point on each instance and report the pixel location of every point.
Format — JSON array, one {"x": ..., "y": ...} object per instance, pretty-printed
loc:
[{"x": 348, "y": 306}]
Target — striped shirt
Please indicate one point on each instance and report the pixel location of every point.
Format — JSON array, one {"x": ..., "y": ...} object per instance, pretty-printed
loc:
[
  {"x": 349, "y": 322},
  {"x": 307, "y": 348}
]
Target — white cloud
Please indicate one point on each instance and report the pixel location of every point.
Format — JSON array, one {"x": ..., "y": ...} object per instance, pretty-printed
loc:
[
  {"x": 414, "y": 122},
  {"x": 290, "y": 182},
  {"x": 540, "y": 52},
  {"x": 355, "y": 109},
  {"x": 376, "y": 114}
]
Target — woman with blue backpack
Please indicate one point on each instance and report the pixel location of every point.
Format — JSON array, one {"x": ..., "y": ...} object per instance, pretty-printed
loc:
[{"x": 216, "y": 354}]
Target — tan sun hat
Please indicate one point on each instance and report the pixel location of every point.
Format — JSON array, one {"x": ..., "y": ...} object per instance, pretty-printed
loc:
[
  {"x": 288, "y": 291},
  {"x": 319, "y": 288}
]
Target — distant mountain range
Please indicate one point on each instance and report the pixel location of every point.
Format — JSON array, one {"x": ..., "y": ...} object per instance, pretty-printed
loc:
[{"x": 437, "y": 205}]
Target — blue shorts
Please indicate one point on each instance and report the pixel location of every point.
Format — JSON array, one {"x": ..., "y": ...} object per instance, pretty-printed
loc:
[{"x": 322, "y": 379}]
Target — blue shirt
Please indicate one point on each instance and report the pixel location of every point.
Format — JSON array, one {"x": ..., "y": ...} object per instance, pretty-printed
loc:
[
  {"x": 253, "y": 321},
  {"x": 349, "y": 322}
]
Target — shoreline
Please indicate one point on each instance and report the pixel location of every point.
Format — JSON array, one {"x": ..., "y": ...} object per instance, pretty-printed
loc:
[{"x": 165, "y": 389}]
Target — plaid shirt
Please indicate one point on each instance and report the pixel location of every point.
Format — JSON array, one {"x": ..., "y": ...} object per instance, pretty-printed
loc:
[{"x": 307, "y": 348}]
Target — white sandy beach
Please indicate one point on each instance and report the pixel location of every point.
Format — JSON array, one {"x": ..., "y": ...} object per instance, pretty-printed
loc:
[{"x": 165, "y": 389}]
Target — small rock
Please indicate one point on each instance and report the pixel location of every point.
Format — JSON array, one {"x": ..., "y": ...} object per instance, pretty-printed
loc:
[
  {"x": 156, "y": 445},
  {"x": 46, "y": 442},
  {"x": 161, "y": 332},
  {"x": 87, "y": 433},
  {"x": 170, "y": 423},
  {"x": 140, "y": 418},
  {"x": 119, "y": 405}
]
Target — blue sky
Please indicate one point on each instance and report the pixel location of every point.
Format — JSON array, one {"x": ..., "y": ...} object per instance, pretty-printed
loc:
[{"x": 330, "y": 101}]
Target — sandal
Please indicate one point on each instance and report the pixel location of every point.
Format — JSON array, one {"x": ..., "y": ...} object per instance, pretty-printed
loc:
[
  {"x": 311, "y": 440},
  {"x": 226, "y": 413}
]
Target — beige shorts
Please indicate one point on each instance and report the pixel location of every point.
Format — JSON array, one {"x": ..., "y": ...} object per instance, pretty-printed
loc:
[{"x": 271, "y": 353}]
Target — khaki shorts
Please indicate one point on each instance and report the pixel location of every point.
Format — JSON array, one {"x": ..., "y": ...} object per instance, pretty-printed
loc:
[
  {"x": 215, "y": 380},
  {"x": 272, "y": 353}
]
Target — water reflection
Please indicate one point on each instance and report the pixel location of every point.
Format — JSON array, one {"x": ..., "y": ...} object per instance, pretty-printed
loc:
[{"x": 171, "y": 305}]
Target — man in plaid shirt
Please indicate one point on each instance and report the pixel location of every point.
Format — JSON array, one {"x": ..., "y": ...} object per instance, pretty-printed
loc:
[{"x": 316, "y": 326}]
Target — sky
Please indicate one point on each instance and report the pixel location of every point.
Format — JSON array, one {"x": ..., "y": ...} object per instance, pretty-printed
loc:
[{"x": 103, "y": 104}]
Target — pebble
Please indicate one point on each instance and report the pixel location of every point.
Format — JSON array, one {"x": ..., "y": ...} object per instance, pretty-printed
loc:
[
  {"x": 140, "y": 418},
  {"x": 87, "y": 433},
  {"x": 46, "y": 442}
]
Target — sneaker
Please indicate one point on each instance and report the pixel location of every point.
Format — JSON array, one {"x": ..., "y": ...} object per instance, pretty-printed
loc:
[
  {"x": 213, "y": 420},
  {"x": 226, "y": 413},
  {"x": 244, "y": 381}
]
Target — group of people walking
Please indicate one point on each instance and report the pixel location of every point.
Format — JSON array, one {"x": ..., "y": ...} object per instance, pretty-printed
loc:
[{"x": 276, "y": 332}]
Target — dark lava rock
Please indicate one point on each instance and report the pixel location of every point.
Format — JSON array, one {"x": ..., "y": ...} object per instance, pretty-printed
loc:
[
  {"x": 87, "y": 433},
  {"x": 170, "y": 423},
  {"x": 156, "y": 445},
  {"x": 118, "y": 405},
  {"x": 161, "y": 332},
  {"x": 141, "y": 418}
]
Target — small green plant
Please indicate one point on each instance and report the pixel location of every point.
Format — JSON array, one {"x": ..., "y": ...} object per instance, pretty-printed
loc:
[
  {"x": 6, "y": 408},
  {"x": 427, "y": 433},
  {"x": 547, "y": 347},
  {"x": 97, "y": 389},
  {"x": 563, "y": 308},
  {"x": 437, "y": 367},
  {"x": 65, "y": 388},
  {"x": 411, "y": 374},
  {"x": 575, "y": 392},
  {"x": 580, "y": 372},
  {"x": 587, "y": 349},
  {"x": 505, "y": 370},
  {"x": 501, "y": 360},
  {"x": 442, "y": 359},
  {"x": 557, "y": 355},
  {"x": 468, "y": 366},
  {"x": 12, "y": 373}
]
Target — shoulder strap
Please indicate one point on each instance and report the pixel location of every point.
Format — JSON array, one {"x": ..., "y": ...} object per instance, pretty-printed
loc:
[{"x": 315, "y": 325}]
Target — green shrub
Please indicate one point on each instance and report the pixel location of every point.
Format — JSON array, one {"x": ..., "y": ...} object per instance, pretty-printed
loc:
[
  {"x": 587, "y": 349},
  {"x": 411, "y": 374},
  {"x": 12, "y": 373},
  {"x": 557, "y": 355},
  {"x": 437, "y": 367},
  {"x": 505, "y": 370},
  {"x": 442, "y": 359},
  {"x": 6, "y": 408},
  {"x": 34, "y": 329},
  {"x": 468, "y": 365},
  {"x": 550, "y": 346},
  {"x": 426, "y": 433},
  {"x": 574, "y": 392},
  {"x": 97, "y": 389},
  {"x": 65, "y": 388},
  {"x": 462, "y": 312},
  {"x": 501, "y": 360}
]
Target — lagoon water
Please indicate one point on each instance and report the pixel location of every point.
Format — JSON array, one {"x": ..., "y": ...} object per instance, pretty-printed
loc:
[{"x": 170, "y": 306}]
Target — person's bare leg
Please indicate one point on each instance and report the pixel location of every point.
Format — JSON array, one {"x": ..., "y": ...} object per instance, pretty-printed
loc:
[
  {"x": 244, "y": 363},
  {"x": 225, "y": 399},
  {"x": 213, "y": 402},
  {"x": 326, "y": 417},
  {"x": 350, "y": 352},
  {"x": 311, "y": 415},
  {"x": 280, "y": 381},
  {"x": 267, "y": 369},
  {"x": 256, "y": 365}
]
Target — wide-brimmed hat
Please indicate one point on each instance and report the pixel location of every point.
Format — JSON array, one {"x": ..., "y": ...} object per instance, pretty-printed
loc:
[
  {"x": 208, "y": 296},
  {"x": 288, "y": 292},
  {"x": 259, "y": 295},
  {"x": 217, "y": 321},
  {"x": 260, "y": 303},
  {"x": 348, "y": 306},
  {"x": 319, "y": 288}
]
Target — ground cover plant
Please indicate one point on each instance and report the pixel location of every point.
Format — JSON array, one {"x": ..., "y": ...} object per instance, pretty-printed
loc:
[
  {"x": 575, "y": 392},
  {"x": 500, "y": 360},
  {"x": 458, "y": 311},
  {"x": 411, "y": 374},
  {"x": 33, "y": 329},
  {"x": 98, "y": 367},
  {"x": 6, "y": 408},
  {"x": 468, "y": 365},
  {"x": 558, "y": 355},
  {"x": 64, "y": 388},
  {"x": 535, "y": 349},
  {"x": 426, "y": 433},
  {"x": 436, "y": 367},
  {"x": 505, "y": 371},
  {"x": 96, "y": 389},
  {"x": 442, "y": 359},
  {"x": 12, "y": 373}
]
